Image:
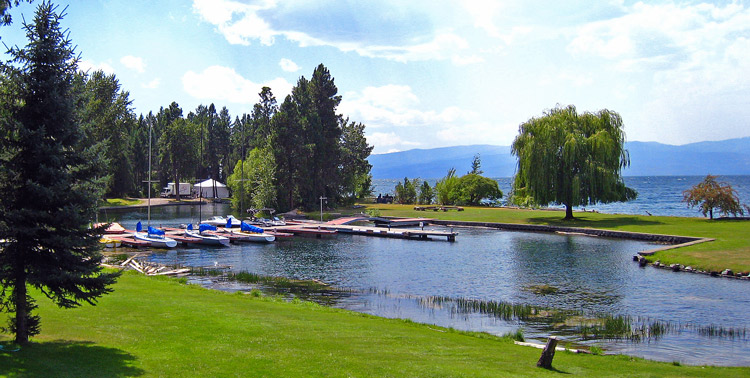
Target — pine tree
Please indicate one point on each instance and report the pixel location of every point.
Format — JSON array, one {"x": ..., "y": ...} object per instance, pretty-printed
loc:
[{"x": 49, "y": 186}]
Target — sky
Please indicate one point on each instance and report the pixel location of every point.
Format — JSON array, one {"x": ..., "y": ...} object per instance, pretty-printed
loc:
[{"x": 425, "y": 74}]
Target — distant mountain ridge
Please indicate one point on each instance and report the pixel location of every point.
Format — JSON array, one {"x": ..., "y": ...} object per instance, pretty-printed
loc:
[{"x": 726, "y": 157}]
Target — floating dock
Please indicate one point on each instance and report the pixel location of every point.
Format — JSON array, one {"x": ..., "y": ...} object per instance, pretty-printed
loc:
[
  {"x": 309, "y": 230},
  {"x": 391, "y": 233},
  {"x": 130, "y": 241}
]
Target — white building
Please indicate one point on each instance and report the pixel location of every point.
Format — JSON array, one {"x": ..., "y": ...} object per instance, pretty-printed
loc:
[{"x": 212, "y": 189}]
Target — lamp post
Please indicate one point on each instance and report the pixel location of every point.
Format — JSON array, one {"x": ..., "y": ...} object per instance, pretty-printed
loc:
[{"x": 321, "y": 207}]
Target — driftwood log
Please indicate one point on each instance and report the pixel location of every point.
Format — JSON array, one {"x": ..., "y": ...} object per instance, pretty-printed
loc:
[{"x": 548, "y": 353}]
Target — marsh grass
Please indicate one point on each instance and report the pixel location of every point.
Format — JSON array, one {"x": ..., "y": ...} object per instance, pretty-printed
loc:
[
  {"x": 158, "y": 327},
  {"x": 579, "y": 324}
]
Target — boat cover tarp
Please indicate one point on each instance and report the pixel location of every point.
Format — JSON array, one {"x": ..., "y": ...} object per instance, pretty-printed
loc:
[
  {"x": 155, "y": 231},
  {"x": 250, "y": 228},
  {"x": 206, "y": 227},
  {"x": 139, "y": 226}
]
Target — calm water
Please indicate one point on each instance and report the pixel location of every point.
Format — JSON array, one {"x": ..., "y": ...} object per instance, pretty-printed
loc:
[
  {"x": 658, "y": 195},
  {"x": 401, "y": 278}
]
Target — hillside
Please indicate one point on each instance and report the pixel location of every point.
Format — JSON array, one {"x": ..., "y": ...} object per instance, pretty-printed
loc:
[{"x": 727, "y": 157}]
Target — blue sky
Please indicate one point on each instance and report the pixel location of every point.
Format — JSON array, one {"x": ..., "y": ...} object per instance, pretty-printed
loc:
[{"x": 423, "y": 74}]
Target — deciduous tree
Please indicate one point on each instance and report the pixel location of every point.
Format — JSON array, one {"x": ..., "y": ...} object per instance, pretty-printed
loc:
[
  {"x": 447, "y": 190},
  {"x": 710, "y": 194},
  {"x": 572, "y": 159},
  {"x": 426, "y": 194},
  {"x": 178, "y": 149},
  {"x": 253, "y": 180},
  {"x": 475, "y": 188}
]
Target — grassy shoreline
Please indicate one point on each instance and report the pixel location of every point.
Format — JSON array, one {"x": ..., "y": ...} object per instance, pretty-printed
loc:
[
  {"x": 161, "y": 327},
  {"x": 731, "y": 248}
]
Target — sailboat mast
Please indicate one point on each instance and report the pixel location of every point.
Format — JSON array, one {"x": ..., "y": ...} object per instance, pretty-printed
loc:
[{"x": 149, "y": 174}]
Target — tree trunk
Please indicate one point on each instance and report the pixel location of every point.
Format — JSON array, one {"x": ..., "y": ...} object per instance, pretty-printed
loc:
[
  {"x": 569, "y": 212},
  {"x": 177, "y": 186},
  {"x": 545, "y": 360},
  {"x": 22, "y": 334},
  {"x": 711, "y": 213}
]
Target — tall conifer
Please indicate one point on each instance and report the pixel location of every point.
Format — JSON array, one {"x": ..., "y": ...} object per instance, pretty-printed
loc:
[{"x": 49, "y": 182}]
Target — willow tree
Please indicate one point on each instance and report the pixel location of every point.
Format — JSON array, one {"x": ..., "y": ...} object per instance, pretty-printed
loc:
[{"x": 572, "y": 159}]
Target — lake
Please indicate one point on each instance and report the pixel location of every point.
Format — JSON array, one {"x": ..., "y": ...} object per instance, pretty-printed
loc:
[
  {"x": 657, "y": 195},
  {"x": 466, "y": 285}
]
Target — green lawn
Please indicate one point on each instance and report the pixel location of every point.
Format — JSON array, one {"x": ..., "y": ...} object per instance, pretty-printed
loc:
[
  {"x": 121, "y": 202},
  {"x": 730, "y": 250},
  {"x": 159, "y": 327}
]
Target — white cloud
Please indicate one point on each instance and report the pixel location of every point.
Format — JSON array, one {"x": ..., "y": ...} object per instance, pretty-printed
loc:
[
  {"x": 472, "y": 133},
  {"x": 134, "y": 63},
  {"x": 288, "y": 65},
  {"x": 153, "y": 84},
  {"x": 389, "y": 142},
  {"x": 89, "y": 66},
  {"x": 652, "y": 32},
  {"x": 219, "y": 83},
  {"x": 484, "y": 12},
  {"x": 393, "y": 105},
  {"x": 237, "y": 30},
  {"x": 242, "y": 23}
]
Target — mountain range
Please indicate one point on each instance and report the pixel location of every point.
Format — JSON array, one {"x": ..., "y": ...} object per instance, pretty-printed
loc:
[{"x": 726, "y": 157}]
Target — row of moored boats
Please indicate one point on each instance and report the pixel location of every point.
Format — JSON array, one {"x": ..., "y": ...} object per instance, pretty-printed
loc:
[{"x": 208, "y": 233}]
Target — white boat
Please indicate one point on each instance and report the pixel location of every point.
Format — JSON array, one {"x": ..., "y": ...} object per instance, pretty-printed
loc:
[
  {"x": 205, "y": 237},
  {"x": 154, "y": 236},
  {"x": 250, "y": 233},
  {"x": 220, "y": 221},
  {"x": 275, "y": 221}
]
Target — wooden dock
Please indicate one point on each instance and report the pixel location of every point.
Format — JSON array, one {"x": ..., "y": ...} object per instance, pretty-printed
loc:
[
  {"x": 309, "y": 230},
  {"x": 130, "y": 241},
  {"x": 391, "y": 233}
]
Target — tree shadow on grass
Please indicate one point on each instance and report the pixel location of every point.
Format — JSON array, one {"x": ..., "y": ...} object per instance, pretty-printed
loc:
[
  {"x": 584, "y": 222},
  {"x": 68, "y": 359}
]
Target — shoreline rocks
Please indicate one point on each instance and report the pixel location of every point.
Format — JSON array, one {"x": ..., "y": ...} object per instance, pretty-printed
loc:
[{"x": 726, "y": 273}]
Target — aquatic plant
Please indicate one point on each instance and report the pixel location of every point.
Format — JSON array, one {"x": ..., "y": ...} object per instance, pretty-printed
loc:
[
  {"x": 543, "y": 289},
  {"x": 516, "y": 335}
]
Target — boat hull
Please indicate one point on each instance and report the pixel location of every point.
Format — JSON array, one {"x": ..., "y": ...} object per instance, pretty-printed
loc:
[
  {"x": 157, "y": 242},
  {"x": 208, "y": 239},
  {"x": 253, "y": 237}
]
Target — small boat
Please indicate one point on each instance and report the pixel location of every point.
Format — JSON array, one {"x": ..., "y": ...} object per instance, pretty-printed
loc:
[
  {"x": 204, "y": 236},
  {"x": 110, "y": 243},
  {"x": 275, "y": 221},
  {"x": 220, "y": 221},
  {"x": 154, "y": 236},
  {"x": 113, "y": 229},
  {"x": 250, "y": 233}
]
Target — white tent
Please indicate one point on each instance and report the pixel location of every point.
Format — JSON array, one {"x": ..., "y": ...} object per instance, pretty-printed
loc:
[{"x": 212, "y": 189}]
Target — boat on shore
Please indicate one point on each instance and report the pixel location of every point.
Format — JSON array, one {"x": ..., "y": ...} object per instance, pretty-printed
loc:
[
  {"x": 110, "y": 243},
  {"x": 155, "y": 236},
  {"x": 204, "y": 236}
]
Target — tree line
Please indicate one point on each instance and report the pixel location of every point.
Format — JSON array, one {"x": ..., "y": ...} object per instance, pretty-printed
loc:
[
  {"x": 469, "y": 189},
  {"x": 285, "y": 156},
  {"x": 68, "y": 139}
]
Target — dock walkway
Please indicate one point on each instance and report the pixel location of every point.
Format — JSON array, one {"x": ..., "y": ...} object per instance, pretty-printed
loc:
[{"x": 391, "y": 233}]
